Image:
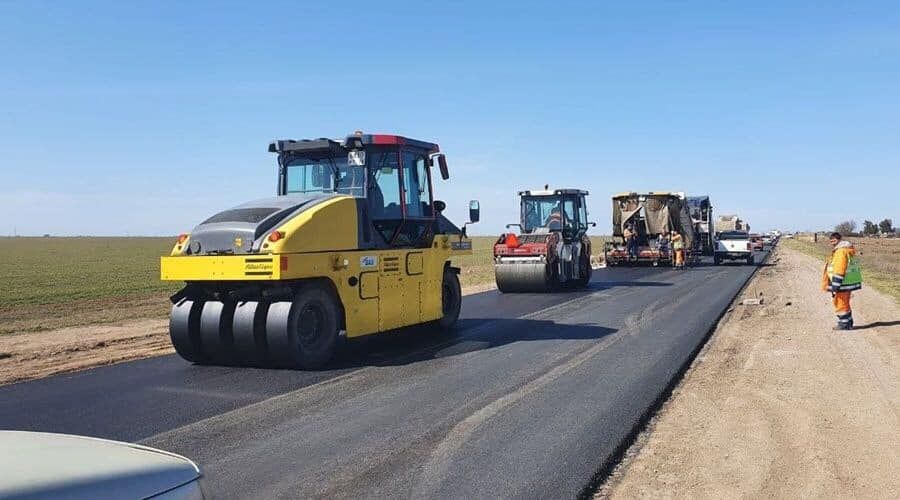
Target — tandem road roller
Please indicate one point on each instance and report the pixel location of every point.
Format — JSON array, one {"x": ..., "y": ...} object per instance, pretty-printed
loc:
[
  {"x": 354, "y": 243},
  {"x": 551, "y": 249}
]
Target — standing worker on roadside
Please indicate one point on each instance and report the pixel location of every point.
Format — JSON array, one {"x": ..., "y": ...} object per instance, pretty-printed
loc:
[
  {"x": 630, "y": 242},
  {"x": 841, "y": 277},
  {"x": 678, "y": 247}
]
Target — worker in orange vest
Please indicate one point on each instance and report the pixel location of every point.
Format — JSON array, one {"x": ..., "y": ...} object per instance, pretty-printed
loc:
[
  {"x": 678, "y": 247},
  {"x": 841, "y": 277}
]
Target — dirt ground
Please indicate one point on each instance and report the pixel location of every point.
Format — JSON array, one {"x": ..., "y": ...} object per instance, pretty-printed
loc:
[
  {"x": 778, "y": 405},
  {"x": 27, "y": 354}
]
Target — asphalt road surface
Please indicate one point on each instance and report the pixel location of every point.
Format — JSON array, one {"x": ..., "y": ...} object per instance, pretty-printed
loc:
[{"x": 529, "y": 399}]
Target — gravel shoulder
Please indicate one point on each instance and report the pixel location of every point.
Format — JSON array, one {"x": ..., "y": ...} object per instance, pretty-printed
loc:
[
  {"x": 779, "y": 405},
  {"x": 28, "y": 355}
]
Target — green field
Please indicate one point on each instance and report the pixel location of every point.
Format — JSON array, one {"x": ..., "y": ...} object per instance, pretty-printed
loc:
[
  {"x": 58, "y": 270},
  {"x": 57, "y": 282},
  {"x": 879, "y": 259}
]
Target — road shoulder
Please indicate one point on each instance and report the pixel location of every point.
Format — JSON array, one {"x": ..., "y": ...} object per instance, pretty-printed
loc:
[
  {"x": 777, "y": 404},
  {"x": 31, "y": 355}
]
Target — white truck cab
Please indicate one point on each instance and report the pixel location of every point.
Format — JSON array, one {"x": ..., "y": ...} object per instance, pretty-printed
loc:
[{"x": 733, "y": 245}]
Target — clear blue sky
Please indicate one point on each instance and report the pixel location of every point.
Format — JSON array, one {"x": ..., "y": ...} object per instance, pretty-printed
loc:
[{"x": 146, "y": 118}]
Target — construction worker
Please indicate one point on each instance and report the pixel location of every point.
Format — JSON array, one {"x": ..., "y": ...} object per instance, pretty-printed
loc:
[
  {"x": 630, "y": 242},
  {"x": 841, "y": 277},
  {"x": 678, "y": 247},
  {"x": 662, "y": 242},
  {"x": 554, "y": 220}
]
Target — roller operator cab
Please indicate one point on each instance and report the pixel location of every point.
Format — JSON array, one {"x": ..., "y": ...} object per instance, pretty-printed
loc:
[
  {"x": 551, "y": 249},
  {"x": 354, "y": 243}
]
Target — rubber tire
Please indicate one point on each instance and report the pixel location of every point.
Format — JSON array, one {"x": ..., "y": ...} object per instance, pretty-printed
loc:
[
  {"x": 586, "y": 272},
  {"x": 750, "y": 260},
  {"x": 216, "y": 340},
  {"x": 283, "y": 322},
  {"x": 451, "y": 300},
  {"x": 717, "y": 260},
  {"x": 249, "y": 332},
  {"x": 184, "y": 330}
]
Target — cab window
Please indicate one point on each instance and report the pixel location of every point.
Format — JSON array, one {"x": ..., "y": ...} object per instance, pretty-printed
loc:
[
  {"x": 424, "y": 185},
  {"x": 415, "y": 186},
  {"x": 384, "y": 191},
  {"x": 582, "y": 210},
  {"x": 569, "y": 210}
]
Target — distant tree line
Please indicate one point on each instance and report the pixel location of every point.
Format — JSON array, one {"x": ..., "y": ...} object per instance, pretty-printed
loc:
[{"x": 869, "y": 228}]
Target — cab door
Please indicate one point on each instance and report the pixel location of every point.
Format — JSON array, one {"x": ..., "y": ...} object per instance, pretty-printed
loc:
[
  {"x": 406, "y": 222},
  {"x": 416, "y": 233}
]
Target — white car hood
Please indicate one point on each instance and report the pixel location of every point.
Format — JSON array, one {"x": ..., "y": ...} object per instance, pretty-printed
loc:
[{"x": 38, "y": 464}]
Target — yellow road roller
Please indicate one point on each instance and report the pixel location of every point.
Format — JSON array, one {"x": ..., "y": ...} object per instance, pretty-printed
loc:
[{"x": 353, "y": 244}]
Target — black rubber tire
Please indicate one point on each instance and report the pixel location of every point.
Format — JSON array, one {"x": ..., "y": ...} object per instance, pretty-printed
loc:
[
  {"x": 216, "y": 340},
  {"x": 586, "y": 271},
  {"x": 304, "y": 333},
  {"x": 717, "y": 260},
  {"x": 750, "y": 260},
  {"x": 249, "y": 331},
  {"x": 184, "y": 330},
  {"x": 451, "y": 300}
]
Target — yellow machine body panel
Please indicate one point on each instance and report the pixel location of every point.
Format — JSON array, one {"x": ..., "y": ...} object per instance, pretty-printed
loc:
[
  {"x": 220, "y": 268},
  {"x": 379, "y": 289},
  {"x": 331, "y": 225}
]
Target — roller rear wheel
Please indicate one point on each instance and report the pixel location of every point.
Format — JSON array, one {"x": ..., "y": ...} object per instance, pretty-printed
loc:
[
  {"x": 451, "y": 300},
  {"x": 585, "y": 273}
]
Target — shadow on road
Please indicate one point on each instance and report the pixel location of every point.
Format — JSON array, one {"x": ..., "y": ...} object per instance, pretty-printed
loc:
[
  {"x": 876, "y": 324},
  {"x": 422, "y": 343}
]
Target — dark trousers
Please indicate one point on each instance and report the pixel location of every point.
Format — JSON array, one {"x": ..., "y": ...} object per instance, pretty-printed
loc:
[{"x": 632, "y": 246}]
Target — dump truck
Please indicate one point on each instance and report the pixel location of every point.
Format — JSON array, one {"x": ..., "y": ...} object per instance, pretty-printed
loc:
[
  {"x": 551, "y": 249},
  {"x": 652, "y": 216},
  {"x": 353, "y": 244},
  {"x": 702, "y": 216},
  {"x": 731, "y": 223}
]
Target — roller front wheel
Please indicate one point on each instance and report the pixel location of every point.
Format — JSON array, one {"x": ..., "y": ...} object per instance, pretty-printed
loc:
[{"x": 184, "y": 330}]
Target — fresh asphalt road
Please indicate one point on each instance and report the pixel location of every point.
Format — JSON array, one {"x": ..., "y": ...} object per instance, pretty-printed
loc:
[{"x": 530, "y": 398}]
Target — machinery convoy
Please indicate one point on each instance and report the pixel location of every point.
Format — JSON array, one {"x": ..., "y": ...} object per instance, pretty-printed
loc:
[
  {"x": 552, "y": 248},
  {"x": 651, "y": 218},
  {"x": 353, "y": 243}
]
